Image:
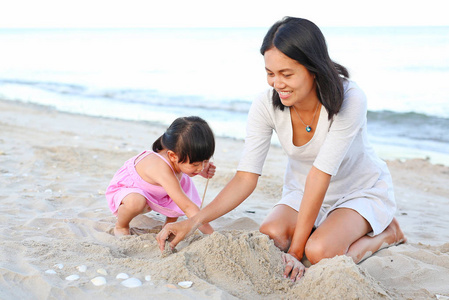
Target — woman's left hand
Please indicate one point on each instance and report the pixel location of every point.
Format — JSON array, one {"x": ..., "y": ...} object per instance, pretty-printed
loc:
[
  {"x": 294, "y": 269},
  {"x": 209, "y": 170}
]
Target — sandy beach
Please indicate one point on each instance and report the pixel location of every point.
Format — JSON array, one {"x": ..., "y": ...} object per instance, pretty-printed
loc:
[{"x": 55, "y": 167}]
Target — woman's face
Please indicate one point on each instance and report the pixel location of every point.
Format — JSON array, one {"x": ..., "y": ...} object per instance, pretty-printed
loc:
[{"x": 293, "y": 82}]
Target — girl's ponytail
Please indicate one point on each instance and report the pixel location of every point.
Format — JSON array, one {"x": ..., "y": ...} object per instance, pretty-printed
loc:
[{"x": 157, "y": 145}]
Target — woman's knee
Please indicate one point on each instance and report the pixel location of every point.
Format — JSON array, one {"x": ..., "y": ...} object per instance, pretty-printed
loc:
[
  {"x": 277, "y": 233},
  {"x": 317, "y": 249}
]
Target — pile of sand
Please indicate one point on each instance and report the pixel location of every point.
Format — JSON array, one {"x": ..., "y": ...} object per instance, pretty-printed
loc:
[{"x": 247, "y": 263}]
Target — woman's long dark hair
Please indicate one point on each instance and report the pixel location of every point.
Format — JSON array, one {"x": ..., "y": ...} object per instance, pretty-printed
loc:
[
  {"x": 190, "y": 138},
  {"x": 304, "y": 42}
]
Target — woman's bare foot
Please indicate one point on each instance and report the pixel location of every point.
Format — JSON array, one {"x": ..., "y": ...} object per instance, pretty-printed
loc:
[
  {"x": 118, "y": 231},
  {"x": 396, "y": 235},
  {"x": 367, "y": 246}
]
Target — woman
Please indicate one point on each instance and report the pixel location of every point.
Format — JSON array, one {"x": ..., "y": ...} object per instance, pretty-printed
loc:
[{"x": 338, "y": 195}]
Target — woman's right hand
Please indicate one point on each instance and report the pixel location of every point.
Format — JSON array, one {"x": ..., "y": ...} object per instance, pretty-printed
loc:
[
  {"x": 175, "y": 232},
  {"x": 294, "y": 269}
]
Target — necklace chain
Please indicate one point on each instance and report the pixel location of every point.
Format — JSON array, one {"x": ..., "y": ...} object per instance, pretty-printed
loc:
[{"x": 308, "y": 128}]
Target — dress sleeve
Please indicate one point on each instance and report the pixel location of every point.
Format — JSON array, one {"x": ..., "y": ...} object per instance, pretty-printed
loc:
[
  {"x": 344, "y": 128},
  {"x": 259, "y": 129}
]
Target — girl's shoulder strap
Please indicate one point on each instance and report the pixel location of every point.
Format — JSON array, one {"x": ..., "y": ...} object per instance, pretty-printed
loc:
[{"x": 164, "y": 159}]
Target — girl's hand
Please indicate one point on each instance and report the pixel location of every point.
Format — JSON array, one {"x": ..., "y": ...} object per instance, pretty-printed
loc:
[
  {"x": 293, "y": 267},
  {"x": 209, "y": 170}
]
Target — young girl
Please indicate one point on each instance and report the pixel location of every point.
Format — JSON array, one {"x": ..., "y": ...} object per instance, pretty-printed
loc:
[{"x": 160, "y": 180}]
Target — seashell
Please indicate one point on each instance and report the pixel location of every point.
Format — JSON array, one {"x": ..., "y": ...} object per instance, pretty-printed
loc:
[
  {"x": 72, "y": 277},
  {"x": 82, "y": 268},
  {"x": 132, "y": 282},
  {"x": 185, "y": 284},
  {"x": 171, "y": 286},
  {"x": 148, "y": 278},
  {"x": 50, "y": 271},
  {"x": 102, "y": 271},
  {"x": 97, "y": 281},
  {"x": 59, "y": 266},
  {"x": 122, "y": 276}
]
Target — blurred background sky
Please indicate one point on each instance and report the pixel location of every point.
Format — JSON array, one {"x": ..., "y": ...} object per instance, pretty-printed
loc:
[{"x": 210, "y": 13}]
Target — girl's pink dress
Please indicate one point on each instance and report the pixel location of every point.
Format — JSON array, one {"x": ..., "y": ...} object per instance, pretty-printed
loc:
[{"x": 127, "y": 181}]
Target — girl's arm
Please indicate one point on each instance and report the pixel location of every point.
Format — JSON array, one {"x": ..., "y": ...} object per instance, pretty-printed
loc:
[
  {"x": 163, "y": 175},
  {"x": 316, "y": 186},
  {"x": 237, "y": 190}
]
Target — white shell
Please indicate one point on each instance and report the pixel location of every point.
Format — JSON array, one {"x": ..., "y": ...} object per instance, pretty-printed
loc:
[
  {"x": 50, "y": 271},
  {"x": 132, "y": 282},
  {"x": 122, "y": 276},
  {"x": 100, "y": 280},
  {"x": 148, "y": 278},
  {"x": 59, "y": 266},
  {"x": 185, "y": 284},
  {"x": 102, "y": 272},
  {"x": 82, "y": 268},
  {"x": 72, "y": 277}
]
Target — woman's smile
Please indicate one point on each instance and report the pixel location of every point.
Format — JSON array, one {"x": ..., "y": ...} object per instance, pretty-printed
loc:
[{"x": 284, "y": 95}]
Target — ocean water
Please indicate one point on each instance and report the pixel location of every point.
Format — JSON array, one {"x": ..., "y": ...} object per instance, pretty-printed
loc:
[{"x": 159, "y": 74}]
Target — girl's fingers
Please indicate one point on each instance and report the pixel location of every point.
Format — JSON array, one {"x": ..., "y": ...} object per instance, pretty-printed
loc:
[{"x": 211, "y": 170}]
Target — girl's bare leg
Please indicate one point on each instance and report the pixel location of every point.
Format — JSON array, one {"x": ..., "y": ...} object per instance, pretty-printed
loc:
[
  {"x": 344, "y": 232},
  {"x": 280, "y": 225},
  {"x": 132, "y": 205}
]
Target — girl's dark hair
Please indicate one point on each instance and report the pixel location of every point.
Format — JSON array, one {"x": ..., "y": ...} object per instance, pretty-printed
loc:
[
  {"x": 304, "y": 42},
  {"x": 190, "y": 138}
]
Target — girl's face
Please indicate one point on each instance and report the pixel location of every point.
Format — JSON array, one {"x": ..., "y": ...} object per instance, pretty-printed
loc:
[
  {"x": 291, "y": 80},
  {"x": 192, "y": 169}
]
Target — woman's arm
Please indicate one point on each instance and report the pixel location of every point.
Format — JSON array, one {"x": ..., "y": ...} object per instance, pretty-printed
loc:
[
  {"x": 234, "y": 193},
  {"x": 316, "y": 186}
]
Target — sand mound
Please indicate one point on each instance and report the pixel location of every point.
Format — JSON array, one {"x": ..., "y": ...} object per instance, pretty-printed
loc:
[
  {"x": 338, "y": 278},
  {"x": 246, "y": 263},
  {"x": 239, "y": 262}
]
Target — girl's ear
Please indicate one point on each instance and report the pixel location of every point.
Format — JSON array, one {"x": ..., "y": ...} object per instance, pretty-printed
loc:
[{"x": 172, "y": 156}]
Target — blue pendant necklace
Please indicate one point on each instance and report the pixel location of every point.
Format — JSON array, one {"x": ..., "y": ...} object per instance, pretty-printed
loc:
[{"x": 308, "y": 128}]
